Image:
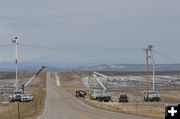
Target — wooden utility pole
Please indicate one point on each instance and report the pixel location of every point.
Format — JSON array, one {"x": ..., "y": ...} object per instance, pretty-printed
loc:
[{"x": 18, "y": 111}]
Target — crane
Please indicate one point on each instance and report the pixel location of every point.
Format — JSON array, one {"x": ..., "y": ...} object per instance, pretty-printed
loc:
[
  {"x": 18, "y": 94},
  {"x": 122, "y": 98},
  {"x": 150, "y": 49},
  {"x": 99, "y": 94},
  {"x": 97, "y": 79},
  {"x": 107, "y": 77},
  {"x": 150, "y": 95},
  {"x": 42, "y": 68},
  {"x": 15, "y": 41}
]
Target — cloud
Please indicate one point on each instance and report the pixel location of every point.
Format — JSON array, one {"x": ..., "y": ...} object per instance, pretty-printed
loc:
[{"x": 92, "y": 30}]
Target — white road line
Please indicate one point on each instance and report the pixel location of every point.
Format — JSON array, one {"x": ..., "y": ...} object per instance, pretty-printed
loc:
[{"x": 57, "y": 79}]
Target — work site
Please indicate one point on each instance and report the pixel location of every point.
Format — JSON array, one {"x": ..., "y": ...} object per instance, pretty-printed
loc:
[
  {"x": 132, "y": 94},
  {"x": 89, "y": 59}
]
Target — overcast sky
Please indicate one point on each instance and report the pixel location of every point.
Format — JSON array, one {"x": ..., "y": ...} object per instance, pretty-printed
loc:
[{"x": 91, "y": 31}]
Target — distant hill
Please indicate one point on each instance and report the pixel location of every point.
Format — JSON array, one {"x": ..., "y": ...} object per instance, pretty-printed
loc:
[
  {"x": 129, "y": 67},
  {"x": 58, "y": 66}
]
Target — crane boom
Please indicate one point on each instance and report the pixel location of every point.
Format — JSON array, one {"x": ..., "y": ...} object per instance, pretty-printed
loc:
[
  {"x": 42, "y": 68},
  {"x": 107, "y": 77},
  {"x": 101, "y": 74},
  {"x": 100, "y": 82}
]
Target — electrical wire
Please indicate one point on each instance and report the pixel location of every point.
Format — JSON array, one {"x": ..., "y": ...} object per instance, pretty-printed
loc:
[
  {"x": 39, "y": 47},
  {"x": 5, "y": 45},
  {"x": 166, "y": 57},
  {"x": 119, "y": 50},
  {"x": 89, "y": 48}
]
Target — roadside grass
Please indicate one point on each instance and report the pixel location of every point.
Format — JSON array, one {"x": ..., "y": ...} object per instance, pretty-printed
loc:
[{"x": 148, "y": 110}]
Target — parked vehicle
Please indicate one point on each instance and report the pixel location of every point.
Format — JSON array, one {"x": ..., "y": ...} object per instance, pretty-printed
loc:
[
  {"x": 99, "y": 95},
  {"x": 26, "y": 98},
  {"x": 19, "y": 96},
  {"x": 15, "y": 96},
  {"x": 80, "y": 93},
  {"x": 123, "y": 98},
  {"x": 151, "y": 96}
]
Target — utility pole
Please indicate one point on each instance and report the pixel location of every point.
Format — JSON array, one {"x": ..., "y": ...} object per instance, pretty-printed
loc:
[
  {"x": 15, "y": 41},
  {"x": 147, "y": 70},
  {"x": 18, "y": 110},
  {"x": 151, "y": 49}
]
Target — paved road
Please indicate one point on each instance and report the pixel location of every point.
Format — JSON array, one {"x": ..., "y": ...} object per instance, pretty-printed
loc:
[{"x": 62, "y": 105}]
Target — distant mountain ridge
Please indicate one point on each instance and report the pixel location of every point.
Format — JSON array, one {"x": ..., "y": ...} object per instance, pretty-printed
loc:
[
  {"x": 58, "y": 66},
  {"x": 130, "y": 67}
]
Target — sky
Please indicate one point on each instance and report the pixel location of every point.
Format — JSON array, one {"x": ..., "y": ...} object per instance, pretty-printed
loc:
[{"x": 91, "y": 31}]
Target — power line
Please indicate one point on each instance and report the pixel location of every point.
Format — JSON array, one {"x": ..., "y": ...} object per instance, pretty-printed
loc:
[
  {"x": 166, "y": 57},
  {"x": 36, "y": 46},
  {"x": 5, "y": 45}
]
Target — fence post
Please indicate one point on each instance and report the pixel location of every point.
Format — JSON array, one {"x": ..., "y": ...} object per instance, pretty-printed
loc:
[{"x": 18, "y": 110}]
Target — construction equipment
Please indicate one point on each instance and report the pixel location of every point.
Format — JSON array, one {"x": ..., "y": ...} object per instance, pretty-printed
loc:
[
  {"x": 15, "y": 41},
  {"x": 97, "y": 94},
  {"x": 19, "y": 94},
  {"x": 150, "y": 95}
]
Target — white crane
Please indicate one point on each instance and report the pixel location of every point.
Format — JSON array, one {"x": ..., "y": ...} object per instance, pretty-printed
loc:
[
  {"x": 151, "y": 49},
  {"x": 15, "y": 41},
  {"x": 107, "y": 77},
  {"x": 97, "y": 79},
  {"x": 19, "y": 88},
  {"x": 42, "y": 68},
  {"x": 99, "y": 95}
]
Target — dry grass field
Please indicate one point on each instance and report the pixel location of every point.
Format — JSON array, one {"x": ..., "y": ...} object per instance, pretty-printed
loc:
[
  {"x": 71, "y": 81},
  {"x": 27, "y": 109}
]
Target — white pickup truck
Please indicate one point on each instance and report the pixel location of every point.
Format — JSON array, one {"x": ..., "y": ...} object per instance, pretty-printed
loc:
[
  {"x": 26, "y": 98},
  {"x": 19, "y": 96},
  {"x": 152, "y": 96},
  {"x": 99, "y": 95}
]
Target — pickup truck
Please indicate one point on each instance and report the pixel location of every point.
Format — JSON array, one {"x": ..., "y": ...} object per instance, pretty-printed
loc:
[
  {"x": 100, "y": 96},
  {"x": 151, "y": 96},
  {"x": 26, "y": 98},
  {"x": 19, "y": 96},
  {"x": 15, "y": 96},
  {"x": 123, "y": 98}
]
